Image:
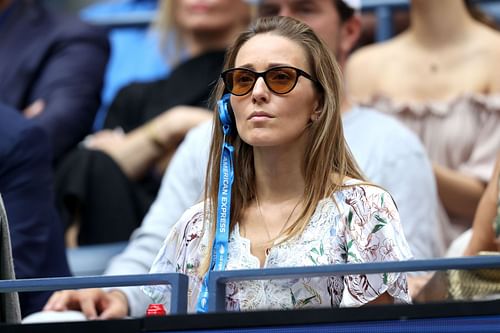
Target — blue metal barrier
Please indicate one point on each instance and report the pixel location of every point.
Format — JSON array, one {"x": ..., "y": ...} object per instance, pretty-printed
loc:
[
  {"x": 140, "y": 19},
  {"x": 179, "y": 283},
  {"x": 218, "y": 279}
]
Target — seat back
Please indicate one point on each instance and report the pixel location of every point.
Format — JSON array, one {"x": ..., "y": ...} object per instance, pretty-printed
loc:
[{"x": 10, "y": 311}]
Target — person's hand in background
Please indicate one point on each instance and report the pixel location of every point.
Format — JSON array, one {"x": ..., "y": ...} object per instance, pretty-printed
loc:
[{"x": 94, "y": 303}]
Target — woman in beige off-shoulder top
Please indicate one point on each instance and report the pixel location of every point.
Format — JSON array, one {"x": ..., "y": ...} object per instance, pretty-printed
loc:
[{"x": 441, "y": 78}]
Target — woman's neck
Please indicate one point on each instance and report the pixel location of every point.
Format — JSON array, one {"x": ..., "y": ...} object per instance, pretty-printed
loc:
[
  {"x": 278, "y": 173},
  {"x": 437, "y": 23}
]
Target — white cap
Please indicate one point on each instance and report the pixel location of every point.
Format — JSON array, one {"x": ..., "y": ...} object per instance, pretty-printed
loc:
[{"x": 354, "y": 4}]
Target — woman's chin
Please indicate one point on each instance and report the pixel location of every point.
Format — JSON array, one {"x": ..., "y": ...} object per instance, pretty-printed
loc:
[{"x": 259, "y": 141}]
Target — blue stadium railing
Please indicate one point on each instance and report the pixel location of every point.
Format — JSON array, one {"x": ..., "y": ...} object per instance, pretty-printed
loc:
[
  {"x": 218, "y": 279},
  {"x": 178, "y": 282}
]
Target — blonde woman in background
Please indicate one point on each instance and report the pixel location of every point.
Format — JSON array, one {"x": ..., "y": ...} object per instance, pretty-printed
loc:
[{"x": 104, "y": 189}]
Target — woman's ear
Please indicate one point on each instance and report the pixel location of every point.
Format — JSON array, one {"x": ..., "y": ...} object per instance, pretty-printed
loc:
[
  {"x": 315, "y": 114},
  {"x": 318, "y": 107}
]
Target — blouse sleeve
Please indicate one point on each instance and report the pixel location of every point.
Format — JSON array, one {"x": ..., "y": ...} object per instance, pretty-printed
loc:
[
  {"x": 177, "y": 247},
  {"x": 373, "y": 233}
]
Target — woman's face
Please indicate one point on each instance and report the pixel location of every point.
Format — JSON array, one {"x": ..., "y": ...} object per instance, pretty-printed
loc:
[
  {"x": 205, "y": 16},
  {"x": 266, "y": 119}
]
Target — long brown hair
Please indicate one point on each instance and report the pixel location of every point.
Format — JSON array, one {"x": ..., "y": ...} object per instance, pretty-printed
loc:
[{"x": 327, "y": 161}]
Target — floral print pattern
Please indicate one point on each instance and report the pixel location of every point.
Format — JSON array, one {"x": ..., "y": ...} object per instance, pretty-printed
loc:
[{"x": 357, "y": 224}]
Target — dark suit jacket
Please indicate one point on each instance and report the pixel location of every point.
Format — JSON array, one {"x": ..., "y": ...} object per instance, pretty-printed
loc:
[
  {"x": 26, "y": 185},
  {"x": 44, "y": 55},
  {"x": 10, "y": 311}
]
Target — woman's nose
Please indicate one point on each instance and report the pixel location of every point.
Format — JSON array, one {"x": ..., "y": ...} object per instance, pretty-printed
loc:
[{"x": 260, "y": 91}]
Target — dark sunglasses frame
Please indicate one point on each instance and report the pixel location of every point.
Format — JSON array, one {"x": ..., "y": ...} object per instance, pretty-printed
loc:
[{"x": 225, "y": 77}]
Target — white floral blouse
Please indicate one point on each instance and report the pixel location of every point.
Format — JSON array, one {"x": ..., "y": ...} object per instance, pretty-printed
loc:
[{"x": 365, "y": 227}]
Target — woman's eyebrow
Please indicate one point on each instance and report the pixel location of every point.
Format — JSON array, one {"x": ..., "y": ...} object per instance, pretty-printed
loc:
[
  {"x": 248, "y": 66},
  {"x": 271, "y": 65}
]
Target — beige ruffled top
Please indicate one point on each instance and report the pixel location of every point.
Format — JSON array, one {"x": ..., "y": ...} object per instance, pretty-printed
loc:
[{"x": 462, "y": 134}]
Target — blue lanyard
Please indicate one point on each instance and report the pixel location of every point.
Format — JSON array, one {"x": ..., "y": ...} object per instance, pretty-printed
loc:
[{"x": 220, "y": 246}]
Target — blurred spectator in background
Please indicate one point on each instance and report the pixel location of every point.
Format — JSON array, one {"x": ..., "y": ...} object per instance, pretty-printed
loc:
[
  {"x": 108, "y": 185},
  {"x": 51, "y": 70},
  {"x": 138, "y": 55},
  {"x": 483, "y": 237},
  {"x": 441, "y": 78},
  {"x": 26, "y": 185},
  {"x": 486, "y": 226}
]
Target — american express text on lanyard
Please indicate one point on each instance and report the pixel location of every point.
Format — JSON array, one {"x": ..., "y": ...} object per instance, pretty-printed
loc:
[{"x": 220, "y": 246}]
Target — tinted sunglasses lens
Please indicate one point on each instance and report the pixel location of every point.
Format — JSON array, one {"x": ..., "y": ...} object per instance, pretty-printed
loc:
[
  {"x": 239, "y": 81},
  {"x": 281, "y": 80}
]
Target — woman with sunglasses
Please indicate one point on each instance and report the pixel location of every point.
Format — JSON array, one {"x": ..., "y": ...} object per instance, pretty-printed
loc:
[{"x": 297, "y": 196}]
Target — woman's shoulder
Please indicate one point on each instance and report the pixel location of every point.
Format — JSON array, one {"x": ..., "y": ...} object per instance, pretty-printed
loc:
[
  {"x": 366, "y": 208},
  {"x": 194, "y": 212},
  {"x": 191, "y": 222},
  {"x": 488, "y": 37},
  {"x": 353, "y": 184},
  {"x": 368, "y": 55},
  {"x": 360, "y": 195},
  {"x": 491, "y": 49},
  {"x": 353, "y": 188},
  {"x": 363, "y": 66}
]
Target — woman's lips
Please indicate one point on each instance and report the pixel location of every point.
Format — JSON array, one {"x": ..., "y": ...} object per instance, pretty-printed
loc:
[
  {"x": 199, "y": 8},
  {"x": 260, "y": 115}
]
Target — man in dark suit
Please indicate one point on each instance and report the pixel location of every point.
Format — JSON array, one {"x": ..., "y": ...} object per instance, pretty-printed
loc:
[
  {"x": 51, "y": 69},
  {"x": 26, "y": 186}
]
